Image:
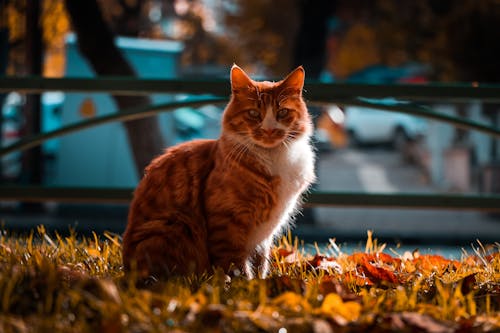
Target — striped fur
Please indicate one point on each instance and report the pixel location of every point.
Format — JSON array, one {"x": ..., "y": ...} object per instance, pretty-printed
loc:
[{"x": 220, "y": 203}]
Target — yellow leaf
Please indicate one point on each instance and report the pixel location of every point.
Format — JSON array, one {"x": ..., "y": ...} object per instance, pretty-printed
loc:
[
  {"x": 292, "y": 302},
  {"x": 334, "y": 306}
]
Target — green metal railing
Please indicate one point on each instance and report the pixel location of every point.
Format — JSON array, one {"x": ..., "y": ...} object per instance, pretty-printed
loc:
[{"x": 397, "y": 98}]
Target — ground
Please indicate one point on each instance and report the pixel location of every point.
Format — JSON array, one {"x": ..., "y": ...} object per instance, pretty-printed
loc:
[{"x": 53, "y": 283}]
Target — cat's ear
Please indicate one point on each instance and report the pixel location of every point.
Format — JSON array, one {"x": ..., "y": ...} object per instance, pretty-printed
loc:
[
  {"x": 295, "y": 80},
  {"x": 239, "y": 79}
]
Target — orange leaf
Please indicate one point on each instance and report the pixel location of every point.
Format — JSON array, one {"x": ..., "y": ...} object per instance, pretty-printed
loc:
[
  {"x": 378, "y": 273},
  {"x": 283, "y": 253},
  {"x": 438, "y": 263},
  {"x": 357, "y": 279},
  {"x": 316, "y": 261},
  {"x": 371, "y": 266}
]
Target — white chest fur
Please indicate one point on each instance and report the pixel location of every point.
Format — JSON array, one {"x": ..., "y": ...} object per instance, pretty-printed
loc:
[{"x": 294, "y": 165}]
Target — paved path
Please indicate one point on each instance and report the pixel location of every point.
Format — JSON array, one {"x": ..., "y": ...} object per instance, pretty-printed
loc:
[{"x": 379, "y": 170}]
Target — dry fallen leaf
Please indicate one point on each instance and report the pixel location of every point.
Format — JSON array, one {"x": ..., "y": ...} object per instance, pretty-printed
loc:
[
  {"x": 292, "y": 302},
  {"x": 334, "y": 306}
]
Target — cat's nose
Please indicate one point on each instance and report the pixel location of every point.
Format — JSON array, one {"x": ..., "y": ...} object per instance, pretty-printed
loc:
[{"x": 269, "y": 131}]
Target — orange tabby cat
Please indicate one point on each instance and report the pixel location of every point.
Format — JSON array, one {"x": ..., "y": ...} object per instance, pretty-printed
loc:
[{"x": 220, "y": 203}]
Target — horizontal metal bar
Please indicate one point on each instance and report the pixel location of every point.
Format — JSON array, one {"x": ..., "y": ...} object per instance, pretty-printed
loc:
[
  {"x": 148, "y": 111},
  {"x": 65, "y": 194},
  {"x": 424, "y": 112},
  {"x": 315, "y": 91},
  {"x": 124, "y": 115},
  {"x": 433, "y": 92},
  {"x": 486, "y": 202},
  {"x": 490, "y": 202},
  {"x": 115, "y": 85}
]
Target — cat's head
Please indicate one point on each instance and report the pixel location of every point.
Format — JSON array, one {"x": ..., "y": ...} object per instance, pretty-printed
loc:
[{"x": 266, "y": 114}]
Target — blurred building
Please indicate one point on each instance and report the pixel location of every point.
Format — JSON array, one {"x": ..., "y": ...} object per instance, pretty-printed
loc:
[{"x": 101, "y": 156}]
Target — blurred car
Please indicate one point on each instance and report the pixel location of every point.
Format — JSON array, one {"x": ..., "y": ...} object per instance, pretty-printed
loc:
[{"x": 372, "y": 126}]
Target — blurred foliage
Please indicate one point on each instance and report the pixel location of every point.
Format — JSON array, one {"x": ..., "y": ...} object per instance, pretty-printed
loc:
[
  {"x": 55, "y": 25},
  {"x": 205, "y": 44},
  {"x": 265, "y": 31},
  {"x": 129, "y": 17},
  {"x": 258, "y": 35},
  {"x": 359, "y": 49},
  {"x": 14, "y": 12},
  {"x": 470, "y": 37},
  {"x": 126, "y": 17},
  {"x": 61, "y": 283},
  {"x": 458, "y": 38}
]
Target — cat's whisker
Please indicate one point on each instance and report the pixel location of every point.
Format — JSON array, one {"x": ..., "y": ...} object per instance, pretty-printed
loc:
[
  {"x": 243, "y": 152},
  {"x": 285, "y": 143},
  {"x": 237, "y": 152},
  {"x": 233, "y": 153}
]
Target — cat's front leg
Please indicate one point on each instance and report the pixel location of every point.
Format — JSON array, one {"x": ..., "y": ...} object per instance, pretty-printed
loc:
[
  {"x": 249, "y": 269},
  {"x": 261, "y": 259},
  {"x": 236, "y": 261},
  {"x": 231, "y": 258},
  {"x": 257, "y": 266}
]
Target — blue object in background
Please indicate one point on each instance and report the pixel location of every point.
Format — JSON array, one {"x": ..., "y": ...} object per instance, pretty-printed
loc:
[{"x": 101, "y": 156}]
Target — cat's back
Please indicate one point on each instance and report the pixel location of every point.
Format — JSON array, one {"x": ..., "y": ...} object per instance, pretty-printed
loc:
[
  {"x": 174, "y": 180},
  {"x": 191, "y": 155}
]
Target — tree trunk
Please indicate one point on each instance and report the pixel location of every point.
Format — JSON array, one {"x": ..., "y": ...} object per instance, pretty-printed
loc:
[
  {"x": 310, "y": 47},
  {"x": 310, "y": 52},
  {"x": 32, "y": 161},
  {"x": 96, "y": 43},
  {"x": 4, "y": 56}
]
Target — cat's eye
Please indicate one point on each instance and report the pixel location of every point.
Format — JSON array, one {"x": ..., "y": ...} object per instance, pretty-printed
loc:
[
  {"x": 254, "y": 113},
  {"x": 282, "y": 113}
]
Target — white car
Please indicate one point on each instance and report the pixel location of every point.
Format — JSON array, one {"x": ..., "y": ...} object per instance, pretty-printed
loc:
[{"x": 367, "y": 126}]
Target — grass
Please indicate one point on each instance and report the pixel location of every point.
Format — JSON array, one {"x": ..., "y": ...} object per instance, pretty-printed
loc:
[{"x": 70, "y": 283}]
